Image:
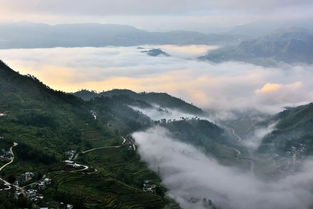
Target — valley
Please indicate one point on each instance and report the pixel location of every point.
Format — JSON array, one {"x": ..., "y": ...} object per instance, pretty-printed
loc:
[
  {"x": 159, "y": 104},
  {"x": 65, "y": 141}
]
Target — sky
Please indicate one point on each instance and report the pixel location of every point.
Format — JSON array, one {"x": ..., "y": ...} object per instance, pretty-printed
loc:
[{"x": 155, "y": 15}]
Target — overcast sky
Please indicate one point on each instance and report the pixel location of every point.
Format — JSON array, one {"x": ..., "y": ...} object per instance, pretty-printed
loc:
[{"x": 155, "y": 14}]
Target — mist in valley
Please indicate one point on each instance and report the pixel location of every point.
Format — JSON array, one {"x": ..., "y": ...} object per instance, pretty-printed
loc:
[
  {"x": 236, "y": 96},
  {"x": 167, "y": 104},
  {"x": 223, "y": 87},
  {"x": 194, "y": 179}
]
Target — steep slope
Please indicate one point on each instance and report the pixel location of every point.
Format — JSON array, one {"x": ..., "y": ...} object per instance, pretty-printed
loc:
[
  {"x": 160, "y": 99},
  {"x": 133, "y": 112},
  {"x": 290, "y": 46},
  {"x": 293, "y": 132},
  {"x": 206, "y": 136},
  {"x": 45, "y": 124}
]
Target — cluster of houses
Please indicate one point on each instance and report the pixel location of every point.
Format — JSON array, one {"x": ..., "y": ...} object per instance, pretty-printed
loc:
[
  {"x": 165, "y": 121},
  {"x": 70, "y": 154},
  {"x": 34, "y": 188},
  {"x": 43, "y": 184},
  {"x": 24, "y": 178},
  {"x": 5, "y": 156},
  {"x": 148, "y": 186},
  {"x": 33, "y": 193}
]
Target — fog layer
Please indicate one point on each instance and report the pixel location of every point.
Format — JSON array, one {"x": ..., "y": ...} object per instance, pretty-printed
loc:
[
  {"x": 221, "y": 87},
  {"x": 191, "y": 176}
]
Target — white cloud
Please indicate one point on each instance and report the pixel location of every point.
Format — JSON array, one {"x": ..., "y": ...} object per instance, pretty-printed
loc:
[
  {"x": 224, "y": 86},
  {"x": 190, "y": 174}
]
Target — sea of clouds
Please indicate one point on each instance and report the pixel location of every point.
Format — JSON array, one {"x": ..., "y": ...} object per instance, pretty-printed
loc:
[
  {"x": 225, "y": 86},
  {"x": 189, "y": 174}
]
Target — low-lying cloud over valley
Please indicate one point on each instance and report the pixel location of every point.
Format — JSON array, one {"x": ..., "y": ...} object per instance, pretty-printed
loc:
[
  {"x": 194, "y": 178},
  {"x": 225, "y": 86}
]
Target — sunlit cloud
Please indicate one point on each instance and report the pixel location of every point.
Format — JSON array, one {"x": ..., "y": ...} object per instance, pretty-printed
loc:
[
  {"x": 224, "y": 86},
  {"x": 269, "y": 87}
]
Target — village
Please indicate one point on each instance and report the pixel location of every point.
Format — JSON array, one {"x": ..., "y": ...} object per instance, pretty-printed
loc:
[{"x": 31, "y": 185}]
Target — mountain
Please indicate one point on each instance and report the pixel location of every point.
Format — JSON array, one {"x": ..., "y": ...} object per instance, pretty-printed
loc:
[
  {"x": 291, "y": 46},
  {"x": 82, "y": 144},
  {"x": 30, "y": 35},
  {"x": 293, "y": 132},
  {"x": 47, "y": 124},
  {"x": 86, "y": 95},
  {"x": 92, "y": 131},
  {"x": 137, "y": 111},
  {"x": 160, "y": 99},
  {"x": 206, "y": 136},
  {"x": 265, "y": 27},
  {"x": 156, "y": 52}
]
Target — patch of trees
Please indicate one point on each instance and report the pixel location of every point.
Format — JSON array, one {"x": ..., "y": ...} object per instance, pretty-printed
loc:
[
  {"x": 38, "y": 119},
  {"x": 28, "y": 153}
]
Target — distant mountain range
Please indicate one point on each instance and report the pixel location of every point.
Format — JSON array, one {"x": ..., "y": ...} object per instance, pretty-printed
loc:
[
  {"x": 30, "y": 35},
  {"x": 287, "y": 46}
]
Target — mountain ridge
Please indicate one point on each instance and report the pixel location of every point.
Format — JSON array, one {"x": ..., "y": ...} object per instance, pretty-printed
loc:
[
  {"x": 292, "y": 46},
  {"x": 21, "y": 35}
]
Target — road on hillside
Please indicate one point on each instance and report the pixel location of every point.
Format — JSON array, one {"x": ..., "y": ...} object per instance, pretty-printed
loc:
[
  {"x": 12, "y": 158},
  {"x": 106, "y": 147},
  {"x": 98, "y": 148},
  {"x": 72, "y": 163},
  {"x": 7, "y": 164}
]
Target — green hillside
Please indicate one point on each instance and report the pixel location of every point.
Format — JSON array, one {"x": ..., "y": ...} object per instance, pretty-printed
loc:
[
  {"x": 293, "y": 131},
  {"x": 160, "y": 99},
  {"x": 47, "y": 123}
]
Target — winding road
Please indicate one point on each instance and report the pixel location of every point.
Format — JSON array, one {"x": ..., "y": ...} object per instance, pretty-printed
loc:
[
  {"x": 71, "y": 161},
  {"x": 7, "y": 164},
  {"x": 12, "y": 158}
]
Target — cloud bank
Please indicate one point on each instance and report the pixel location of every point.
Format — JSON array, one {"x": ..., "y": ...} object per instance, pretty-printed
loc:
[
  {"x": 130, "y": 7},
  {"x": 192, "y": 176},
  {"x": 222, "y": 87}
]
